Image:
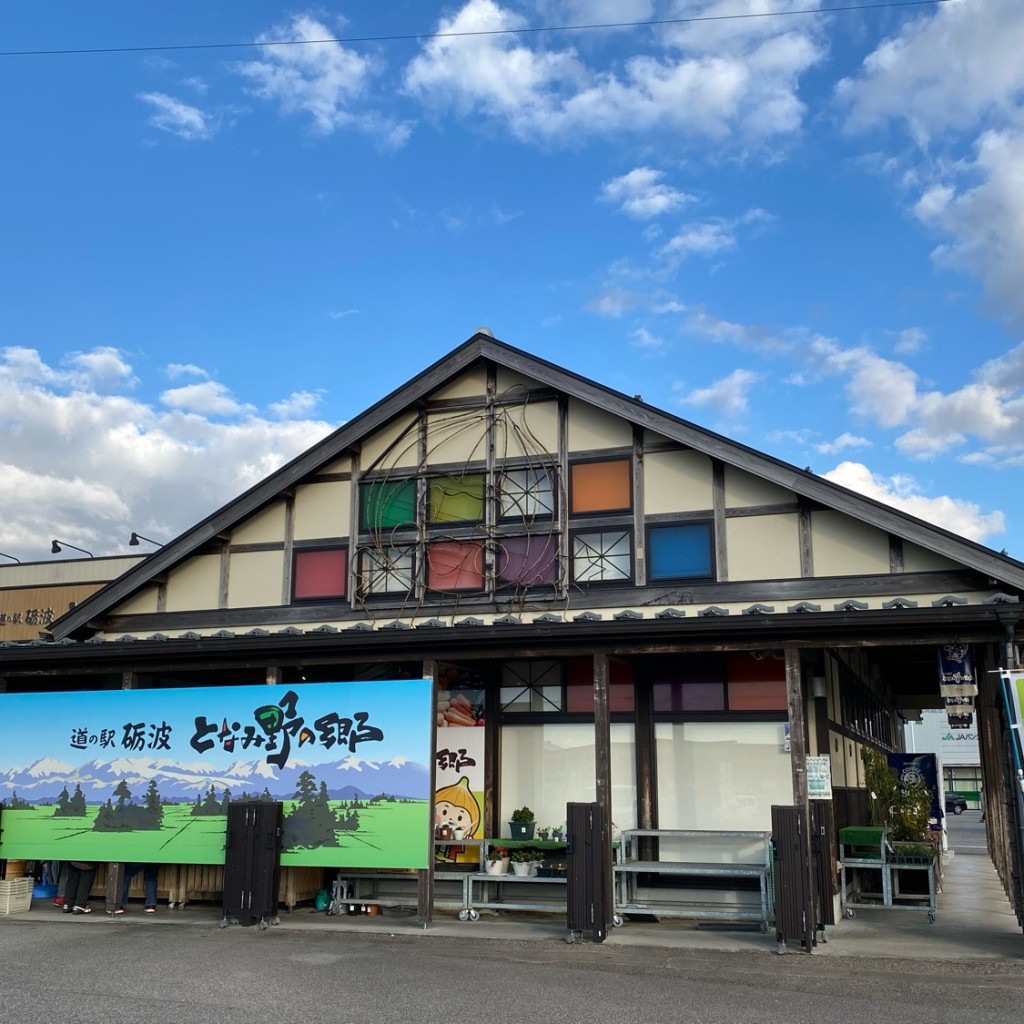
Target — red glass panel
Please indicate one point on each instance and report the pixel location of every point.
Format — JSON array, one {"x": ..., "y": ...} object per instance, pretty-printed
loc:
[
  {"x": 455, "y": 565},
  {"x": 579, "y": 693},
  {"x": 320, "y": 574},
  {"x": 756, "y": 684}
]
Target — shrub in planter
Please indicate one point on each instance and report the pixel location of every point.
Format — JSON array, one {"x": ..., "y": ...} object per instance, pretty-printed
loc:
[{"x": 522, "y": 824}]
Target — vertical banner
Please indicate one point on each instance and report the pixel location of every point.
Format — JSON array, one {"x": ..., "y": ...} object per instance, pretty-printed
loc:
[
  {"x": 913, "y": 769},
  {"x": 957, "y": 684},
  {"x": 147, "y": 775},
  {"x": 1013, "y": 696},
  {"x": 459, "y": 770}
]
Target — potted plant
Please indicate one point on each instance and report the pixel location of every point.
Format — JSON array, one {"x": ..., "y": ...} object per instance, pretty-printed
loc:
[
  {"x": 544, "y": 834},
  {"x": 523, "y": 861},
  {"x": 522, "y": 823},
  {"x": 497, "y": 860},
  {"x": 558, "y": 833}
]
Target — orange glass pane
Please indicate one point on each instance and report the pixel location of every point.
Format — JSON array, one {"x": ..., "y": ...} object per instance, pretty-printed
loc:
[
  {"x": 320, "y": 574},
  {"x": 600, "y": 486}
]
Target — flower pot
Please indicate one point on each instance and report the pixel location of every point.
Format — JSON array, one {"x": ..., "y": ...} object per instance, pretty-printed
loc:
[
  {"x": 522, "y": 868},
  {"x": 496, "y": 867},
  {"x": 521, "y": 829}
]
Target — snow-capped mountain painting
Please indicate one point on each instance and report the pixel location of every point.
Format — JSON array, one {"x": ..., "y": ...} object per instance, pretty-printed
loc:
[{"x": 352, "y": 777}]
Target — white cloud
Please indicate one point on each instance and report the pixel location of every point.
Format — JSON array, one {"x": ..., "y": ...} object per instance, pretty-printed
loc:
[
  {"x": 954, "y": 80},
  {"x": 340, "y": 314},
  {"x": 642, "y": 194},
  {"x": 210, "y": 398},
  {"x": 947, "y": 69},
  {"x": 324, "y": 80},
  {"x": 961, "y": 517},
  {"x": 985, "y": 221},
  {"x": 841, "y": 443},
  {"x": 727, "y": 397},
  {"x": 299, "y": 404},
  {"x": 643, "y": 338},
  {"x": 178, "y": 370},
  {"x": 910, "y": 340},
  {"x": 89, "y": 467},
  {"x": 709, "y": 238},
  {"x": 178, "y": 118},
  {"x": 739, "y": 96}
]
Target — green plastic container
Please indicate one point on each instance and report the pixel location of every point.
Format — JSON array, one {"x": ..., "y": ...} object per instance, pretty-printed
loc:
[{"x": 862, "y": 842}]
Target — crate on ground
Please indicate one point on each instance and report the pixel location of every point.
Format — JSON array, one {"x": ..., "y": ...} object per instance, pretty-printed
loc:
[{"x": 15, "y": 895}]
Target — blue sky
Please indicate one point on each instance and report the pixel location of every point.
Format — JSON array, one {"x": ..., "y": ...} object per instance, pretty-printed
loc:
[{"x": 803, "y": 231}]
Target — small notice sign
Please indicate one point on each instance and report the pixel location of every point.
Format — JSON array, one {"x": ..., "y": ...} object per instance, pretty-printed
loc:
[{"x": 819, "y": 778}]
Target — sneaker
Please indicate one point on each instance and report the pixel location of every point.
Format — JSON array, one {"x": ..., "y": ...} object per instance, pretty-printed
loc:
[
  {"x": 116, "y": 911},
  {"x": 83, "y": 910},
  {"x": 150, "y": 910},
  {"x": 59, "y": 901}
]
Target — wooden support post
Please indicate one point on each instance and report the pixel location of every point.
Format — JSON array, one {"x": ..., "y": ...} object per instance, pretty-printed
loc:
[
  {"x": 425, "y": 876},
  {"x": 603, "y": 768},
  {"x": 798, "y": 760}
]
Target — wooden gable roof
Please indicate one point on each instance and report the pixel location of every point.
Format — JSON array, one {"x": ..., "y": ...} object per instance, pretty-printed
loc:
[{"x": 1001, "y": 569}]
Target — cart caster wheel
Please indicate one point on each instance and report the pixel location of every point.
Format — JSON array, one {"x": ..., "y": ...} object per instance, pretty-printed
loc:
[
  {"x": 570, "y": 938},
  {"x": 616, "y": 921},
  {"x": 474, "y": 915},
  {"x": 931, "y": 918},
  {"x": 463, "y": 915},
  {"x": 849, "y": 915}
]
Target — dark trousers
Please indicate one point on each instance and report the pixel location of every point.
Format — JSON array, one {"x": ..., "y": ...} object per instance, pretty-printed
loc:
[
  {"x": 148, "y": 879},
  {"x": 76, "y": 893}
]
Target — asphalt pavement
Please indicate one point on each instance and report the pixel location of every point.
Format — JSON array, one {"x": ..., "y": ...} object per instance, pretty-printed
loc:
[{"x": 179, "y": 966}]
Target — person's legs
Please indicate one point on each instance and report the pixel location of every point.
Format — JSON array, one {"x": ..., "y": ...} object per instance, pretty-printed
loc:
[
  {"x": 149, "y": 881},
  {"x": 79, "y": 883},
  {"x": 130, "y": 871}
]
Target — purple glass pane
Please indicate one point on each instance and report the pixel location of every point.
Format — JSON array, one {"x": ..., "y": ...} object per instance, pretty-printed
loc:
[{"x": 527, "y": 561}]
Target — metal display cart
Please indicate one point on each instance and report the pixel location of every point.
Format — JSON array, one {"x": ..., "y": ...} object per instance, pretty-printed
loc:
[
  {"x": 742, "y": 856},
  {"x": 491, "y": 892},
  {"x": 873, "y": 868}
]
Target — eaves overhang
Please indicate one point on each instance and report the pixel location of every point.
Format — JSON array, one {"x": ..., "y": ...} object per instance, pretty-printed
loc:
[{"x": 641, "y": 635}]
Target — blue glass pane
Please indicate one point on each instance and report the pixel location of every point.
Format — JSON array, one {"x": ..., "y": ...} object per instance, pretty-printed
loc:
[{"x": 675, "y": 551}]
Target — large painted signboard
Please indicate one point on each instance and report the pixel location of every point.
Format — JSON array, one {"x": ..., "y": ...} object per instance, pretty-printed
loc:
[{"x": 147, "y": 775}]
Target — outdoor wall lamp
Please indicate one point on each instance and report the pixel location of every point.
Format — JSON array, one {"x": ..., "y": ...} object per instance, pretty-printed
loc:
[
  {"x": 136, "y": 537},
  {"x": 58, "y": 545},
  {"x": 11, "y": 557}
]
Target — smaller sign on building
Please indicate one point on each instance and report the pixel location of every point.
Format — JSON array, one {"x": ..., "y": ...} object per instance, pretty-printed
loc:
[{"x": 819, "y": 778}]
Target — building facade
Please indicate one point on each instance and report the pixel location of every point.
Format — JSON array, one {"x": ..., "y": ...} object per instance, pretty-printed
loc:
[{"x": 624, "y": 607}]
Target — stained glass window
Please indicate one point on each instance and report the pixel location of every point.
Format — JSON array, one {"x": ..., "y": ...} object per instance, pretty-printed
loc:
[
  {"x": 319, "y": 574},
  {"x": 527, "y": 494},
  {"x": 456, "y": 499},
  {"x": 601, "y": 486},
  {"x": 388, "y": 504},
  {"x": 531, "y": 686},
  {"x": 386, "y": 570},
  {"x": 455, "y": 565},
  {"x": 679, "y": 550},
  {"x": 602, "y": 556},
  {"x": 528, "y": 561}
]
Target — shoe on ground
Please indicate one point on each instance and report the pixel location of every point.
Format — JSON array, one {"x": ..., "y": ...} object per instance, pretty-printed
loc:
[
  {"x": 59, "y": 901},
  {"x": 150, "y": 910},
  {"x": 116, "y": 911},
  {"x": 83, "y": 910}
]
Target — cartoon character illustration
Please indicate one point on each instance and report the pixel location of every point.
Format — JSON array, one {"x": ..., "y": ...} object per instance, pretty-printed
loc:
[{"x": 457, "y": 808}]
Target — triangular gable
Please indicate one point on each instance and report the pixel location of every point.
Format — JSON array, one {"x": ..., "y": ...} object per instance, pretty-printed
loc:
[{"x": 443, "y": 378}]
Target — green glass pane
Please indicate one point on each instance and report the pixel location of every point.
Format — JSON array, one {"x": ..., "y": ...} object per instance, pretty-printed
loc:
[
  {"x": 457, "y": 500},
  {"x": 388, "y": 504}
]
